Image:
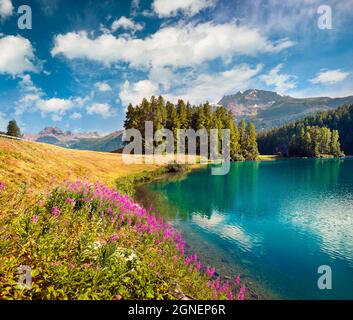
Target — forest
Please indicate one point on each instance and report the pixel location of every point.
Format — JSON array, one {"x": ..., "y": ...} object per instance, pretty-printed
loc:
[
  {"x": 166, "y": 115},
  {"x": 310, "y": 136}
]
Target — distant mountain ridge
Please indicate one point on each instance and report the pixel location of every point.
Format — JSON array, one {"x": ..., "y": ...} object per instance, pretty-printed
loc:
[
  {"x": 81, "y": 141},
  {"x": 268, "y": 109}
]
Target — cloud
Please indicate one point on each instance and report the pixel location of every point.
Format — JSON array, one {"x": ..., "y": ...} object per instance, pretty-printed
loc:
[
  {"x": 203, "y": 87},
  {"x": 26, "y": 84},
  {"x": 282, "y": 82},
  {"x": 134, "y": 92},
  {"x": 102, "y": 109},
  {"x": 197, "y": 90},
  {"x": 33, "y": 99},
  {"x": 168, "y": 8},
  {"x": 6, "y": 8},
  {"x": 76, "y": 116},
  {"x": 174, "y": 46},
  {"x": 54, "y": 105},
  {"x": 102, "y": 86},
  {"x": 126, "y": 24},
  {"x": 329, "y": 77},
  {"x": 16, "y": 55}
]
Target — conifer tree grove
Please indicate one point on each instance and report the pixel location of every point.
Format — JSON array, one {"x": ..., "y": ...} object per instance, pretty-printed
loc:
[{"x": 165, "y": 114}]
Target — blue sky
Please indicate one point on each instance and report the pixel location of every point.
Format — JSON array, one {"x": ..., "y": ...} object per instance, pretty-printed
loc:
[{"x": 83, "y": 62}]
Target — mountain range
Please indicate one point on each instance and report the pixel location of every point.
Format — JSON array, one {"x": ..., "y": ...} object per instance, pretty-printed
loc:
[
  {"x": 80, "y": 141},
  {"x": 268, "y": 109}
]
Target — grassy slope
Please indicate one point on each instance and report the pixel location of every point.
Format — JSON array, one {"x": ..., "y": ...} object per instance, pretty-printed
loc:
[{"x": 37, "y": 164}]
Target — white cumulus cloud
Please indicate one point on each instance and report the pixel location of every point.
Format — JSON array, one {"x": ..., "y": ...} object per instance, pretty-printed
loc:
[
  {"x": 102, "y": 86},
  {"x": 102, "y": 109},
  {"x": 203, "y": 87},
  {"x": 167, "y": 8},
  {"x": 126, "y": 24},
  {"x": 330, "y": 77},
  {"x": 175, "y": 46},
  {"x": 16, "y": 55},
  {"x": 281, "y": 81},
  {"x": 6, "y": 8},
  {"x": 54, "y": 105},
  {"x": 76, "y": 116},
  {"x": 134, "y": 92}
]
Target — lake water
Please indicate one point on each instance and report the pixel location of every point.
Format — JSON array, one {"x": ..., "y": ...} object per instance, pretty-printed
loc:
[{"x": 274, "y": 223}]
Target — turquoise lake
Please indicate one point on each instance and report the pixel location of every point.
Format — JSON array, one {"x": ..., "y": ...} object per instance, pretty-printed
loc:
[{"x": 274, "y": 223}]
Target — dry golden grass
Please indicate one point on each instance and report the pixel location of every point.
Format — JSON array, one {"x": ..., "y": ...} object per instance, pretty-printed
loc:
[{"x": 36, "y": 165}]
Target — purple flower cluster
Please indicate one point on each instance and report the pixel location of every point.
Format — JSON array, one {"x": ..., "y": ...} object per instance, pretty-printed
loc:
[{"x": 121, "y": 210}]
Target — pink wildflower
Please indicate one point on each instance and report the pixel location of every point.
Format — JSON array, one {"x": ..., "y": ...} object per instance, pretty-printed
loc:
[
  {"x": 230, "y": 296},
  {"x": 198, "y": 265},
  {"x": 237, "y": 280},
  {"x": 55, "y": 264},
  {"x": 86, "y": 265},
  {"x": 69, "y": 200},
  {"x": 34, "y": 219},
  {"x": 241, "y": 295},
  {"x": 2, "y": 187},
  {"x": 55, "y": 211},
  {"x": 114, "y": 239},
  {"x": 210, "y": 272}
]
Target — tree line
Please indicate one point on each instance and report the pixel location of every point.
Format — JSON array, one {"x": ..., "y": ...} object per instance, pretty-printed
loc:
[
  {"x": 166, "y": 115},
  {"x": 315, "y": 142},
  {"x": 282, "y": 140}
]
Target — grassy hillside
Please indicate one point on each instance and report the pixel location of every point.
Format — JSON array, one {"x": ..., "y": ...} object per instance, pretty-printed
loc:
[
  {"x": 83, "y": 240},
  {"x": 36, "y": 164}
]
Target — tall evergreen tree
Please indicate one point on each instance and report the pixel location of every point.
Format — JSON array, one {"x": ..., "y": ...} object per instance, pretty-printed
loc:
[
  {"x": 183, "y": 114},
  {"x": 242, "y": 136},
  {"x": 335, "y": 146},
  {"x": 234, "y": 137},
  {"x": 251, "y": 148}
]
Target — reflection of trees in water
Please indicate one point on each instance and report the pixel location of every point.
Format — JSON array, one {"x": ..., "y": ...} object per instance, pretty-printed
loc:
[
  {"x": 251, "y": 188},
  {"x": 201, "y": 192},
  {"x": 314, "y": 174}
]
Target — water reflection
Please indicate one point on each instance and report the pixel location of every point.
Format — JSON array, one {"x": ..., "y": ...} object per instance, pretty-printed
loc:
[{"x": 277, "y": 221}]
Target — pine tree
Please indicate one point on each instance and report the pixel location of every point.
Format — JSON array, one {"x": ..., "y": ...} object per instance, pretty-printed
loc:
[
  {"x": 159, "y": 114},
  {"x": 251, "y": 148},
  {"x": 13, "y": 129},
  {"x": 131, "y": 117},
  {"x": 234, "y": 137},
  {"x": 183, "y": 115},
  {"x": 335, "y": 144},
  {"x": 199, "y": 119},
  {"x": 207, "y": 113},
  {"x": 242, "y": 136}
]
